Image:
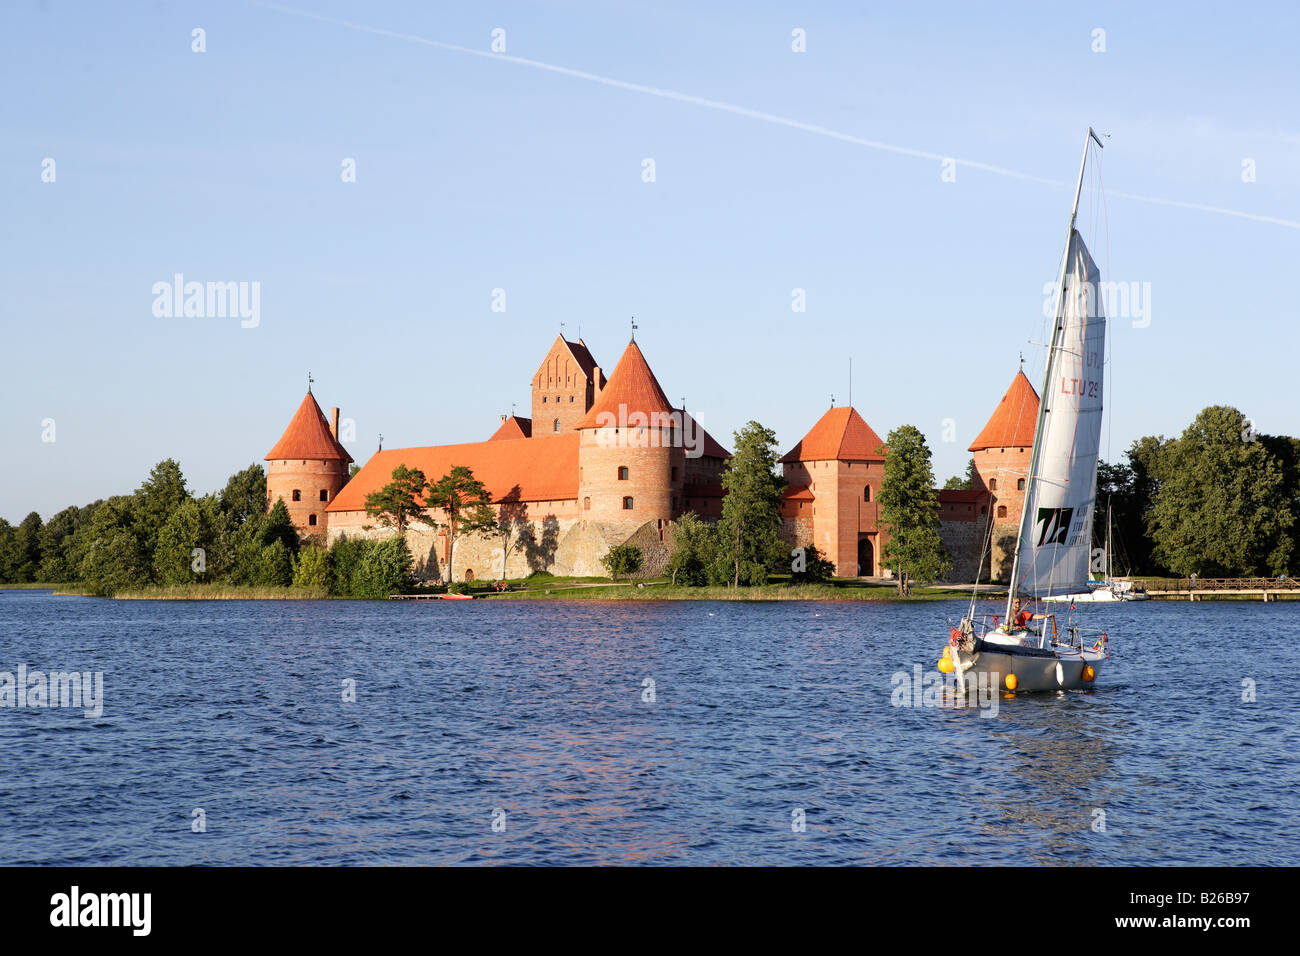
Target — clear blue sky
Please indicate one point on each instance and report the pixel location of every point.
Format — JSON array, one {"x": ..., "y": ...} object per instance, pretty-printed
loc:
[{"x": 475, "y": 173}]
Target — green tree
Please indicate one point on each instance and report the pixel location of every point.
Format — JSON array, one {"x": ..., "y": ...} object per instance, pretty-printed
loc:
[
  {"x": 622, "y": 559},
  {"x": 115, "y": 557},
  {"x": 10, "y": 559},
  {"x": 173, "y": 558},
  {"x": 275, "y": 565},
  {"x": 749, "y": 533},
  {"x": 156, "y": 499},
  {"x": 244, "y": 496},
  {"x": 466, "y": 509},
  {"x": 311, "y": 569},
  {"x": 277, "y": 526},
  {"x": 694, "y": 546},
  {"x": 398, "y": 503},
  {"x": 962, "y": 484},
  {"x": 345, "y": 560},
  {"x": 56, "y": 536},
  {"x": 1221, "y": 507},
  {"x": 909, "y": 510},
  {"x": 385, "y": 569},
  {"x": 27, "y": 539},
  {"x": 811, "y": 567}
]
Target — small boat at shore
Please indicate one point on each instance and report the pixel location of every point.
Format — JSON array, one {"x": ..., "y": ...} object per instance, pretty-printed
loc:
[
  {"x": 1054, "y": 546},
  {"x": 1108, "y": 590}
]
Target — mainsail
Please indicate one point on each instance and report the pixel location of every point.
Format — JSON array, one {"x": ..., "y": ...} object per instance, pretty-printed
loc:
[{"x": 1056, "y": 532}]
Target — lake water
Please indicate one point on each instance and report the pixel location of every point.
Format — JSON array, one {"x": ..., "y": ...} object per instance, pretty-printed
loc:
[{"x": 533, "y": 715}]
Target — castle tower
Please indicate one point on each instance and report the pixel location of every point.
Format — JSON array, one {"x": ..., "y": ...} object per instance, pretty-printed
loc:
[
  {"x": 631, "y": 463},
  {"x": 307, "y": 467},
  {"x": 1001, "y": 453},
  {"x": 833, "y": 476},
  {"x": 565, "y": 386}
]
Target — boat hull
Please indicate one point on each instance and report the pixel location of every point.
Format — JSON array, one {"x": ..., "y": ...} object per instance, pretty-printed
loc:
[{"x": 1035, "y": 670}]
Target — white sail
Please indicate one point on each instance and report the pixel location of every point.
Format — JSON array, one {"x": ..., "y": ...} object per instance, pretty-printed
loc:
[{"x": 1056, "y": 540}]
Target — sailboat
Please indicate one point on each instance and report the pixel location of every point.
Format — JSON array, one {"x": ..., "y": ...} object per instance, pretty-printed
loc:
[
  {"x": 1054, "y": 545},
  {"x": 1108, "y": 589}
]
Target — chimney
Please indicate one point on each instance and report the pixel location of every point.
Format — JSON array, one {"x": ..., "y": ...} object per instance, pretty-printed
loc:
[
  {"x": 334, "y": 422},
  {"x": 597, "y": 377},
  {"x": 503, "y": 419}
]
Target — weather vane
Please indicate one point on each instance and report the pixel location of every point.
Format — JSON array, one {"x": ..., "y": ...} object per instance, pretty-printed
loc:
[
  {"x": 634, "y": 328},
  {"x": 381, "y": 441},
  {"x": 309, "y": 381}
]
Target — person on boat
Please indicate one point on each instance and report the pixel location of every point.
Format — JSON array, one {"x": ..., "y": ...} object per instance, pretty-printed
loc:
[{"x": 1020, "y": 619}]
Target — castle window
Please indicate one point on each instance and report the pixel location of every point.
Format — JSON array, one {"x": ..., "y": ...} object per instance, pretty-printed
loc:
[
  {"x": 993, "y": 484},
  {"x": 297, "y": 495},
  {"x": 1002, "y": 511},
  {"x": 983, "y": 510},
  {"x": 324, "y": 494},
  {"x": 1020, "y": 484},
  {"x": 622, "y": 473},
  {"x": 866, "y": 493},
  {"x": 311, "y": 519},
  {"x": 543, "y": 399},
  {"x": 586, "y": 504},
  {"x": 627, "y": 504},
  {"x": 570, "y": 398},
  {"x": 556, "y": 425}
]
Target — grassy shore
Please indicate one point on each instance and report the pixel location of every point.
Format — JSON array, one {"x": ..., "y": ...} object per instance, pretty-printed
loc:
[
  {"x": 221, "y": 592},
  {"x": 546, "y": 588},
  {"x": 767, "y": 592}
]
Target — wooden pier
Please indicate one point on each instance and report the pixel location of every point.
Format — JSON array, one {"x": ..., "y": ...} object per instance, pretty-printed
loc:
[{"x": 1209, "y": 589}]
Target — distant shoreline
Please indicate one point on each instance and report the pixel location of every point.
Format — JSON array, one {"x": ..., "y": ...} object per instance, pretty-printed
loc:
[{"x": 839, "y": 592}]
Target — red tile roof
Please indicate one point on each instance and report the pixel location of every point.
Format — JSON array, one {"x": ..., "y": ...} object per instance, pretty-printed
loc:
[
  {"x": 961, "y": 495},
  {"x": 709, "y": 447},
  {"x": 839, "y": 435},
  {"x": 1012, "y": 424},
  {"x": 308, "y": 437},
  {"x": 801, "y": 493},
  {"x": 522, "y": 469},
  {"x": 582, "y": 355},
  {"x": 632, "y": 388},
  {"x": 513, "y": 427}
]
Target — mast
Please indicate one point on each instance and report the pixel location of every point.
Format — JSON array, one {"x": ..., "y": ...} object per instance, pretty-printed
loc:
[{"x": 1048, "y": 371}]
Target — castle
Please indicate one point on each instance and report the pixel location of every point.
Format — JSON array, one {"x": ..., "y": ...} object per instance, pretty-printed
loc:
[{"x": 604, "y": 461}]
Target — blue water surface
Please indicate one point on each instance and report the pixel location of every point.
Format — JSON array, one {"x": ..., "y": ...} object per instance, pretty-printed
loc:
[{"x": 536, "y": 715}]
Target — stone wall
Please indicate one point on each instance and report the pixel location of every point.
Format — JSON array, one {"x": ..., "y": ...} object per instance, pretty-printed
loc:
[{"x": 560, "y": 544}]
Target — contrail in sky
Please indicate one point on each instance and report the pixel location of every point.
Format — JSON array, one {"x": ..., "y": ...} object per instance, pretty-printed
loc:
[{"x": 756, "y": 114}]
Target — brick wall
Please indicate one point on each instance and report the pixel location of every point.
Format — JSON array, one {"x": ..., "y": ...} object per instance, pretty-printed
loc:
[
  {"x": 309, "y": 479},
  {"x": 654, "y": 476},
  {"x": 560, "y": 391}
]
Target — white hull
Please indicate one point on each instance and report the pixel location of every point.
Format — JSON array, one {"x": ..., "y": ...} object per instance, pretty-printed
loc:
[{"x": 1035, "y": 670}]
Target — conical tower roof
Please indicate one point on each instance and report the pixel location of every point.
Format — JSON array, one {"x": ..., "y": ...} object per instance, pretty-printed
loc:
[
  {"x": 839, "y": 435},
  {"x": 633, "y": 387},
  {"x": 1012, "y": 424},
  {"x": 308, "y": 436}
]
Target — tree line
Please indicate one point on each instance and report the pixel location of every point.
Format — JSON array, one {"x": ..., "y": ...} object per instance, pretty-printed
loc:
[
  {"x": 164, "y": 535},
  {"x": 1219, "y": 500}
]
